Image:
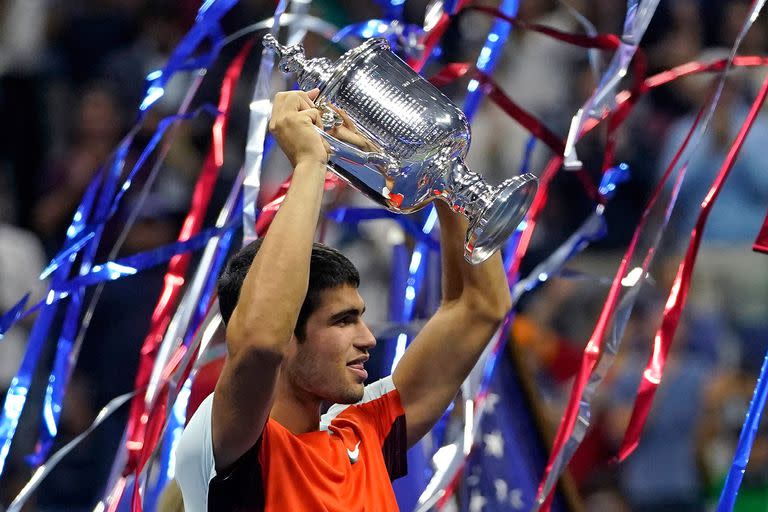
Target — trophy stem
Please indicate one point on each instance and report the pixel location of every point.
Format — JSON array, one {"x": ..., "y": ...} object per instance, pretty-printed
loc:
[
  {"x": 494, "y": 212},
  {"x": 468, "y": 192}
]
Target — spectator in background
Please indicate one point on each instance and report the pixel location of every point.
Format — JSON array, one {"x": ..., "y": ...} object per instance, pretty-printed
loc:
[
  {"x": 23, "y": 60},
  {"x": 160, "y": 30},
  {"x": 97, "y": 128},
  {"x": 662, "y": 474}
]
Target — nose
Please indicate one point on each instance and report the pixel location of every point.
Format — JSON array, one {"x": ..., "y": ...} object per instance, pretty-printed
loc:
[{"x": 367, "y": 340}]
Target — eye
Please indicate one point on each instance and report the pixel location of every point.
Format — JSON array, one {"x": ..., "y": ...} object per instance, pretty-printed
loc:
[{"x": 341, "y": 322}]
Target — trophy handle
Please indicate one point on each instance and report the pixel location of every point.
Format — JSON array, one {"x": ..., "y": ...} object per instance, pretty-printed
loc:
[
  {"x": 345, "y": 151},
  {"x": 328, "y": 116}
]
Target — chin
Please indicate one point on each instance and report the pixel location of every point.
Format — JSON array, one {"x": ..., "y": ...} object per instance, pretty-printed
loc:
[{"x": 351, "y": 395}]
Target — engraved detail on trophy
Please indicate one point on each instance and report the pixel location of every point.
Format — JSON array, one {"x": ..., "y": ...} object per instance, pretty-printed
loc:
[{"x": 404, "y": 142}]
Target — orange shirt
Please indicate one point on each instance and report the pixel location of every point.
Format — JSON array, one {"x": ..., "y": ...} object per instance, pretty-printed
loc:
[{"x": 345, "y": 466}]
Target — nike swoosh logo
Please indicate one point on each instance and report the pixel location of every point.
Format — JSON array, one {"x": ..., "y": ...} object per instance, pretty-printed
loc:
[{"x": 354, "y": 454}]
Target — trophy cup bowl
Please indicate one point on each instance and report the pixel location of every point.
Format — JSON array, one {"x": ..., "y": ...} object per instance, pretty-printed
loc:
[{"x": 415, "y": 141}]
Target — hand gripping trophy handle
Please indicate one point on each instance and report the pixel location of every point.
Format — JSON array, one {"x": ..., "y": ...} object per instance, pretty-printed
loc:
[
  {"x": 292, "y": 60},
  {"x": 413, "y": 141}
]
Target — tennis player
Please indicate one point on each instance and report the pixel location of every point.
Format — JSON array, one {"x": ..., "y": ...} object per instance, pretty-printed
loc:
[{"x": 296, "y": 338}]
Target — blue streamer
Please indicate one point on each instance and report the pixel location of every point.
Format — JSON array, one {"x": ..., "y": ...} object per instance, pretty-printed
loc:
[
  {"x": 393, "y": 9},
  {"x": 352, "y": 216},
  {"x": 87, "y": 233},
  {"x": 163, "y": 126},
  {"x": 449, "y": 6},
  {"x": 206, "y": 27},
  {"x": 109, "y": 271},
  {"x": 489, "y": 55},
  {"x": 746, "y": 440},
  {"x": 363, "y": 30},
  {"x": 612, "y": 178},
  {"x": 12, "y": 316},
  {"x": 135, "y": 263},
  {"x": 16, "y": 396},
  {"x": 61, "y": 371},
  {"x": 74, "y": 242},
  {"x": 401, "y": 37},
  {"x": 64, "y": 361},
  {"x": 68, "y": 250}
]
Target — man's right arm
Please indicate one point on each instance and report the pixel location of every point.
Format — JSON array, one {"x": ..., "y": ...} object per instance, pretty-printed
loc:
[{"x": 274, "y": 289}]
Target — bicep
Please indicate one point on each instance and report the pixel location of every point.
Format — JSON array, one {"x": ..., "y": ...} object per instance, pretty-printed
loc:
[
  {"x": 241, "y": 404},
  {"x": 432, "y": 369}
]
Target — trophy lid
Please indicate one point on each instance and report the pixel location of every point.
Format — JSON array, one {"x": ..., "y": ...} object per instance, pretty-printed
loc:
[
  {"x": 319, "y": 72},
  {"x": 310, "y": 73}
]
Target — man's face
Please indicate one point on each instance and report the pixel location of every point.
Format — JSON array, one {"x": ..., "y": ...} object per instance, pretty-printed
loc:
[{"x": 328, "y": 364}]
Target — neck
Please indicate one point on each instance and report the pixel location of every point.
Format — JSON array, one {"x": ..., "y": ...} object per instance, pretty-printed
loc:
[{"x": 294, "y": 408}]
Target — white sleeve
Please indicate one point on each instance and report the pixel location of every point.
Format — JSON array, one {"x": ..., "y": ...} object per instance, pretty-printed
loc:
[{"x": 195, "y": 466}]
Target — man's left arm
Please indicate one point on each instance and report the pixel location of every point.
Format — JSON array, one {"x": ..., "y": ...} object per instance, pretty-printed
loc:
[{"x": 475, "y": 300}]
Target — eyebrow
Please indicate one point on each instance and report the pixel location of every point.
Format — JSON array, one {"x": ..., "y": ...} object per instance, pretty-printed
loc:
[{"x": 347, "y": 312}]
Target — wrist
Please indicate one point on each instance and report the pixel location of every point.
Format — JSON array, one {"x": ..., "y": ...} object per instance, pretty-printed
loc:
[
  {"x": 311, "y": 161},
  {"x": 311, "y": 166}
]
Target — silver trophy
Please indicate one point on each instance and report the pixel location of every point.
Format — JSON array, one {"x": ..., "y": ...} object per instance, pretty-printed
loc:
[{"x": 414, "y": 141}]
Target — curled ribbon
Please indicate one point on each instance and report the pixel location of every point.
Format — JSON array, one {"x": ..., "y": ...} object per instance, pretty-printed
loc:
[
  {"x": 174, "y": 278},
  {"x": 639, "y": 14},
  {"x": 673, "y": 309},
  {"x": 260, "y": 109},
  {"x": 623, "y": 293}
]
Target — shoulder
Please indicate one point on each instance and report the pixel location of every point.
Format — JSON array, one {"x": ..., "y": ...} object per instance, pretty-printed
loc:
[{"x": 380, "y": 407}]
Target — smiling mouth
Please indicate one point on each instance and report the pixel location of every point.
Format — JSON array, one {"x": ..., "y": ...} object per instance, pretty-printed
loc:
[{"x": 359, "y": 370}]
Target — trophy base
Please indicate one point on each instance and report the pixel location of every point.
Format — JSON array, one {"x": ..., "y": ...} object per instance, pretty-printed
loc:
[{"x": 497, "y": 221}]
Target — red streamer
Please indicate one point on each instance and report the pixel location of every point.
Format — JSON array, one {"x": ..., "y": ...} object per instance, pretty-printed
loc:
[
  {"x": 761, "y": 244},
  {"x": 662, "y": 342},
  {"x": 625, "y": 102},
  {"x": 138, "y": 435},
  {"x": 432, "y": 37},
  {"x": 145, "y": 428},
  {"x": 601, "y": 42},
  {"x": 593, "y": 350}
]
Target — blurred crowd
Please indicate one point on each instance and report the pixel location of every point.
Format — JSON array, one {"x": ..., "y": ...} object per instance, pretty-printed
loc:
[{"x": 72, "y": 76}]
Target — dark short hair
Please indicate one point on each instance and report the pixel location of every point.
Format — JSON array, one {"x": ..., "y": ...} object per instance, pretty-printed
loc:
[{"x": 328, "y": 268}]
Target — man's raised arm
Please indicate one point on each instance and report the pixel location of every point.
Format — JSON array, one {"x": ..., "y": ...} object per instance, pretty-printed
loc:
[
  {"x": 475, "y": 300},
  {"x": 263, "y": 321}
]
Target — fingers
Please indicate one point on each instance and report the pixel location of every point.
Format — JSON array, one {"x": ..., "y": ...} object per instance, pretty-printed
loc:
[
  {"x": 348, "y": 123},
  {"x": 305, "y": 99},
  {"x": 313, "y": 94},
  {"x": 291, "y": 101},
  {"x": 294, "y": 122},
  {"x": 315, "y": 115},
  {"x": 317, "y": 119}
]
